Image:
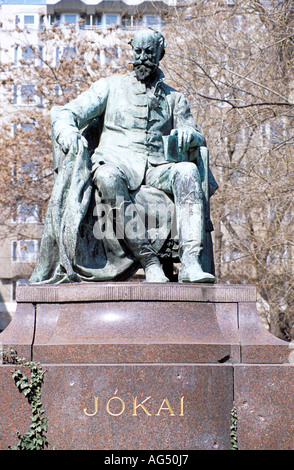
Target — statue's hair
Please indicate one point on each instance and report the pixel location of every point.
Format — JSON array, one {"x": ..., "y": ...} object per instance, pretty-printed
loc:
[{"x": 159, "y": 39}]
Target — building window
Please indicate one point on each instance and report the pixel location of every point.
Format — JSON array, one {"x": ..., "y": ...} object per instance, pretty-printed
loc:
[
  {"x": 278, "y": 133},
  {"x": 97, "y": 20},
  {"x": 25, "y": 251},
  {"x": 28, "y": 55},
  {"x": 26, "y": 214},
  {"x": 111, "y": 54},
  {"x": 64, "y": 53},
  {"x": 70, "y": 19},
  {"x": 56, "y": 57},
  {"x": 111, "y": 20},
  {"x": 31, "y": 21},
  {"x": 56, "y": 19},
  {"x": 24, "y": 126},
  {"x": 131, "y": 21},
  {"x": 127, "y": 21},
  {"x": 68, "y": 52},
  {"x": 25, "y": 95},
  {"x": 90, "y": 21},
  {"x": 152, "y": 20}
]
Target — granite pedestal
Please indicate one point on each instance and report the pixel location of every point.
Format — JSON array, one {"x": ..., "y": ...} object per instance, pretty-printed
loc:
[{"x": 149, "y": 366}]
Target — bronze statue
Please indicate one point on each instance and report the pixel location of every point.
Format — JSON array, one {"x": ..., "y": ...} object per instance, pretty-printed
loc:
[{"x": 128, "y": 142}]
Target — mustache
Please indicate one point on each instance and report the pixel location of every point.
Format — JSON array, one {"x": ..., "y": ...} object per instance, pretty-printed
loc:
[{"x": 145, "y": 63}]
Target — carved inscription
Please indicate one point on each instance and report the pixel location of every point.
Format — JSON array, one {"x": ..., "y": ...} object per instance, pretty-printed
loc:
[{"x": 116, "y": 406}]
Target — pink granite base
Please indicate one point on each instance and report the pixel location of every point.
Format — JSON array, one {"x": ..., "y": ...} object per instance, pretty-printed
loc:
[{"x": 150, "y": 366}]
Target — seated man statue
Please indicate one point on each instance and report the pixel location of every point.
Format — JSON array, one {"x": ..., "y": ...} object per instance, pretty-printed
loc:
[{"x": 141, "y": 116}]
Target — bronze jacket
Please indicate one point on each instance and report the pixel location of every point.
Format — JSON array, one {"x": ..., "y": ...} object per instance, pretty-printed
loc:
[{"x": 135, "y": 119}]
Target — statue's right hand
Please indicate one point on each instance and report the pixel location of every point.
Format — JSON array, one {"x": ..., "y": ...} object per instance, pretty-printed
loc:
[{"x": 73, "y": 143}]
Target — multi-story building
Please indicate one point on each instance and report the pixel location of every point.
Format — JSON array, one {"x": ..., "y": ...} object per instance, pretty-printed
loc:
[{"x": 21, "y": 22}]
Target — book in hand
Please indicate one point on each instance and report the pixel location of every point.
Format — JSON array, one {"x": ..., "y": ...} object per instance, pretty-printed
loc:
[{"x": 171, "y": 149}]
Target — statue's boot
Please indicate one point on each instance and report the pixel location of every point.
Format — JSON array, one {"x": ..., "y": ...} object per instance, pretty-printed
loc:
[
  {"x": 191, "y": 236},
  {"x": 148, "y": 259},
  {"x": 191, "y": 270},
  {"x": 153, "y": 269}
]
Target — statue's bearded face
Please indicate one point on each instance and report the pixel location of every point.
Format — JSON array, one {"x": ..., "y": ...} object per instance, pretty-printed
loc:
[{"x": 146, "y": 56}]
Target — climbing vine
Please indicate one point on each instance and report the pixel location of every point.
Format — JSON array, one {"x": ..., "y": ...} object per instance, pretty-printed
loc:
[
  {"x": 35, "y": 437},
  {"x": 233, "y": 428}
]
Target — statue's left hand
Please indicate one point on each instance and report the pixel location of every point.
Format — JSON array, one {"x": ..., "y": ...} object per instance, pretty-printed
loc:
[{"x": 188, "y": 137}]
